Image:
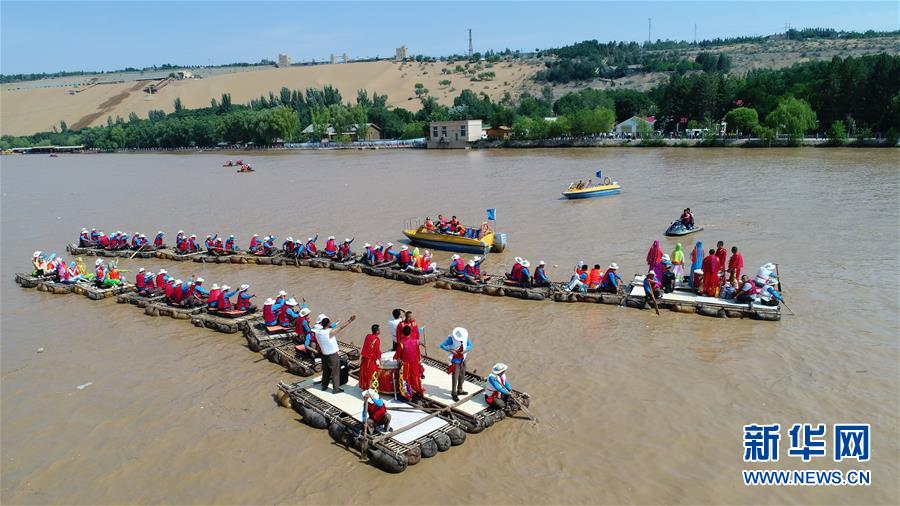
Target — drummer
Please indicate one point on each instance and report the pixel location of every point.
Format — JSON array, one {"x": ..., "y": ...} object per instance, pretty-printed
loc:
[{"x": 370, "y": 357}]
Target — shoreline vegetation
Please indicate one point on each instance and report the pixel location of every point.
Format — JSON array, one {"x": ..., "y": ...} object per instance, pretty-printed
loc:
[{"x": 845, "y": 101}]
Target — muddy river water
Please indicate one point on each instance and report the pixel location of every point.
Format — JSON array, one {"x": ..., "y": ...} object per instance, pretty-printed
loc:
[{"x": 633, "y": 407}]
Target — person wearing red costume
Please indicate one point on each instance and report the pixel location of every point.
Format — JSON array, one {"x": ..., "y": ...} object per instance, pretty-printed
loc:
[
  {"x": 410, "y": 359},
  {"x": 370, "y": 357},
  {"x": 710, "y": 274}
]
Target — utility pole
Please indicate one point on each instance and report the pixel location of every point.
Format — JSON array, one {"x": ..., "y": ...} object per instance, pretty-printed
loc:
[
  {"x": 470, "y": 43},
  {"x": 695, "y": 34}
]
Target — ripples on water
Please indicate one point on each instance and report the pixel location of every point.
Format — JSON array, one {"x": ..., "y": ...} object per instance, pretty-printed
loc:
[{"x": 633, "y": 407}]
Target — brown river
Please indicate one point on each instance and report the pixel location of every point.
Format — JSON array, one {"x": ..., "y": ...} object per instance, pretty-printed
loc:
[{"x": 633, "y": 407}]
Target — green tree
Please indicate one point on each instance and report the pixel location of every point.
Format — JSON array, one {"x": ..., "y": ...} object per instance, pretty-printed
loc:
[
  {"x": 286, "y": 122},
  {"x": 178, "y": 105},
  {"x": 837, "y": 134},
  {"x": 741, "y": 120},
  {"x": 794, "y": 117}
]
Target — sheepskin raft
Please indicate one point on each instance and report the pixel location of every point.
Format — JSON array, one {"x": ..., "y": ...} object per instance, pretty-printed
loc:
[
  {"x": 684, "y": 300},
  {"x": 416, "y": 432}
]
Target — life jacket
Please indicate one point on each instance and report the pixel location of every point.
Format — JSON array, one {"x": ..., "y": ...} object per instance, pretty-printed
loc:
[
  {"x": 594, "y": 277},
  {"x": 298, "y": 327},
  {"x": 61, "y": 271},
  {"x": 405, "y": 258},
  {"x": 516, "y": 272},
  {"x": 254, "y": 243},
  {"x": 330, "y": 248},
  {"x": 140, "y": 281},
  {"x": 344, "y": 249},
  {"x": 229, "y": 245},
  {"x": 287, "y": 246},
  {"x": 470, "y": 271},
  {"x": 458, "y": 265},
  {"x": 268, "y": 314},
  {"x": 104, "y": 241},
  {"x": 95, "y": 235},
  {"x": 210, "y": 244},
  {"x": 311, "y": 248},
  {"x": 605, "y": 281},
  {"x": 213, "y": 296},
  {"x": 148, "y": 282},
  {"x": 177, "y": 293},
  {"x": 169, "y": 289},
  {"x": 753, "y": 289},
  {"x": 158, "y": 241},
  {"x": 375, "y": 412},
  {"x": 242, "y": 302},
  {"x": 160, "y": 280},
  {"x": 762, "y": 275},
  {"x": 379, "y": 256},
  {"x": 85, "y": 237},
  {"x": 539, "y": 274},
  {"x": 223, "y": 302},
  {"x": 489, "y": 391},
  {"x": 429, "y": 225},
  {"x": 183, "y": 246},
  {"x": 218, "y": 246},
  {"x": 195, "y": 246},
  {"x": 100, "y": 273}
]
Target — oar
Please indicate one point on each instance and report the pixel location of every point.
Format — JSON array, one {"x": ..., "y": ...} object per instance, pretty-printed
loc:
[
  {"x": 521, "y": 404},
  {"x": 789, "y": 309},
  {"x": 138, "y": 251},
  {"x": 778, "y": 275},
  {"x": 653, "y": 298}
]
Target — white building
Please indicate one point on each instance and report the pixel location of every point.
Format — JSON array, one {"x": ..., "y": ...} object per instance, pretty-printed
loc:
[
  {"x": 633, "y": 125},
  {"x": 284, "y": 60}
]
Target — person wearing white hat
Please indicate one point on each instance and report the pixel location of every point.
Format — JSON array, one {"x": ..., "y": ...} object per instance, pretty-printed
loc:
[
  {"x": 198, "y": 289},
  {"x": 457, "y": 266},
  {"x": 515, "y": 274},
  {"x": 540, "y": 277},
  {"x": 310, "y": 250},
  {"x": 159, "y": 240},
  {"x": 326, "y": 337},
  {"x": 651, "y": 285},
  {"x": 243, "y": 299},
  {"x": 374, "y": 413},
  {"x": 84, "y": 238},
  {"x": 212, "y": 301},
  {"x": 270, "y": 317},
  {"x": 611, "y": 280},
  {"x": 288, "y": 313},
  {"x": 404, "y": 259},
  {"x": 344, "y": 252},
  {"x": 766, "y": 275},
  {"x": 330, "y": 247},
  {"x": 458, "y": 345},
  {"x": 287, "y": 247},
  {"x": 497, "y": 390}
]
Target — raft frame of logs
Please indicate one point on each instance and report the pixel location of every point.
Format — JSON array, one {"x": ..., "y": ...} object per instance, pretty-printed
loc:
[
  {"x": 384, "y": 453},
  {"x": 495, "y": 286}
]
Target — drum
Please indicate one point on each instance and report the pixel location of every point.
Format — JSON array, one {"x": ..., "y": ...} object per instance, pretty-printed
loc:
[{"x": 387, "y": 378}]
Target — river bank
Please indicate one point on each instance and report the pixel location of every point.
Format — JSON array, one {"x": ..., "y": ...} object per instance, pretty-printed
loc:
[{"x": 714, "y": 142}]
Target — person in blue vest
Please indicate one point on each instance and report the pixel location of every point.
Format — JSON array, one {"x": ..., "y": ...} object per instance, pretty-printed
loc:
[
  {"x": 199, "y": 290},
  {"x": 159, "y": 241},
  {"x": 287, "y": 247},
  {"x": 243, "y": 299},
  {"x": 374, "y": 413},
  {"x": 230, "y": 244},
  {"x": 497, "y": 390},
  {"x": 458, "y": 345}
]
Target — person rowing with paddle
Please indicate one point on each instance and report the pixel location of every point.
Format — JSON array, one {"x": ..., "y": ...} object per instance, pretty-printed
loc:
[
  {"x": 231, "y": 245},
  {"x": 374, "y": 414},
  {"x": 497, "y": 391},
  {"x": 652, "y": 290},
  {"x": 344, "y": 252}
]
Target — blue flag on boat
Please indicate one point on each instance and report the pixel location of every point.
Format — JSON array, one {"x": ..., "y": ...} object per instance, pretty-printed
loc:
[
  {"x": 492, "y": 214},
  {"x": 599, "y": 174}
]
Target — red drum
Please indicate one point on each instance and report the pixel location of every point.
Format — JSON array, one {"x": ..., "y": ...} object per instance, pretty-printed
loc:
[{"x": 387, "y": 378}]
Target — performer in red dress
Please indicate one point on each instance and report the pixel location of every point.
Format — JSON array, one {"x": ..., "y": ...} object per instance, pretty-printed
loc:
[{"x": 370, "y": 358}]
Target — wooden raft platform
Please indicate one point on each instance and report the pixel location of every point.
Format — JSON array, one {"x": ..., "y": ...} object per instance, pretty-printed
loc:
[
  {"x": 681, "y": 301},
  {"x": 684, "y": 300}
]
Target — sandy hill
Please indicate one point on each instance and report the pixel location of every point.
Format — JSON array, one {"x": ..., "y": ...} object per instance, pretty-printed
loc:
[
  {"x": 25, "y": 110},
  {"x": 34, "y": 106}
]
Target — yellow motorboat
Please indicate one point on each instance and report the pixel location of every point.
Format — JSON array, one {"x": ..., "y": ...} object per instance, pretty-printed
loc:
[{"x": 488, "y": 241}]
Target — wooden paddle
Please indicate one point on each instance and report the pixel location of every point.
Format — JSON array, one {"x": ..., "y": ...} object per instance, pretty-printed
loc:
[
  {"x": 521, "y": 404},
  {"x": 138, "y": 251},
  {"x": 653, "y": 298},
  {"x": 778, "y": 275}
]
